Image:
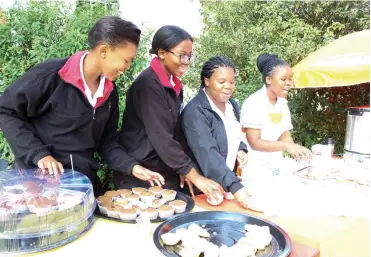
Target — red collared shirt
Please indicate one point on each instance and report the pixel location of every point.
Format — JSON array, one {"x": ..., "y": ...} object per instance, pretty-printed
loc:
[{"x": 164, "y": 79}]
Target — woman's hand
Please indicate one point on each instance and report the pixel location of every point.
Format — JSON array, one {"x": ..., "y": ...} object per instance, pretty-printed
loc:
[
  {"x": 242, "y": 158},
  {"x": 242, "y": 197},
  {"x": 189, "y": 183},
  {"x": 298, "y": 152},
  {"x": 147, "y": 175},
  {"x": 51, "y": 165},
  {"x": 210, "y": 188}
]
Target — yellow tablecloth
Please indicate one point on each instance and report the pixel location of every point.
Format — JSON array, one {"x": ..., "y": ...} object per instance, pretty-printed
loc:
[
  {"x": 109, "y": 238},
  {"x": 334, "y": 237}
]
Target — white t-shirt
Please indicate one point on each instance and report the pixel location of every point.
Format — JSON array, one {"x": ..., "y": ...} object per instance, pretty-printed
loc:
[
  {"x": 232, "y": 129},
  {"x": 257, "y": 112},
  {"x": 99, "y": 93}
]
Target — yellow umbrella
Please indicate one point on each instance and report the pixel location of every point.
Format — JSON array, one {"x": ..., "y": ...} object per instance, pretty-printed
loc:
[{"x": 343, "y": 62}]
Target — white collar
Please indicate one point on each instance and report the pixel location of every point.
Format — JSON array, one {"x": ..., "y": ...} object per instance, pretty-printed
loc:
[
  {"x": 100, "y": 90},
  {"x": 228, "y": 108}
]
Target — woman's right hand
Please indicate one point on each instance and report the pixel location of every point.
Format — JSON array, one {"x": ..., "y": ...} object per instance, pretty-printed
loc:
[
  {"x": 298, "y": 152},
  {"x": 242, "y": 197},
  {"x": 147, "y": 175},
  {"x": 51, "y": 165},
  {"x": 210, "y": 188}
]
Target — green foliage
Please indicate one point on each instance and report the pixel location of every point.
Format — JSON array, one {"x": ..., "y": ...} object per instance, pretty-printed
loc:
[
  {"x": 321, "y": 113},
  {"x": 242, "y": 30},
  {"x": 50, "y": 29}
]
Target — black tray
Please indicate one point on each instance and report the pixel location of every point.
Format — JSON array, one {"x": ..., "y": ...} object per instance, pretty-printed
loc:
[
  {"x": 229, "y": 228},
  {"x": 179, "y": 196}
]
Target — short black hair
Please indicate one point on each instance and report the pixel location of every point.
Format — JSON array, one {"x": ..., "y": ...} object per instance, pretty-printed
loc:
[
  {"x": 113, "y": 31},
  {"x": 268, "y": 63},
  {"x": 167, "y": 37},
  {"x": 212, "y": 64}
]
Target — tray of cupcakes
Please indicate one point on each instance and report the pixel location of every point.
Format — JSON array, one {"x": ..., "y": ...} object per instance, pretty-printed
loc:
[{"x": 125, "y": 205}]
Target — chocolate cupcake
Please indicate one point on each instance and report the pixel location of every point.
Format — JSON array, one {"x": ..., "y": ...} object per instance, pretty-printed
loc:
[
  {"x": 52, "y": 184},
  {"x": 32, "y": 184},
  {"x": 42, "y": 206},
  {"x": 20, "y": 205},
  {"x": 15, "y": 193},
  {"x": 32, "y": 192}
]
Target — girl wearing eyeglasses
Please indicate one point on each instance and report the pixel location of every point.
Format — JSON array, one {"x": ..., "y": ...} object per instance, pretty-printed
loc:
[{"x": 150, "y": 129}]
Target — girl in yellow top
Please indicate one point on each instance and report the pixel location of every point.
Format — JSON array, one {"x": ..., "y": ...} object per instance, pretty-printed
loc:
[{"x": 265, "y": 115}]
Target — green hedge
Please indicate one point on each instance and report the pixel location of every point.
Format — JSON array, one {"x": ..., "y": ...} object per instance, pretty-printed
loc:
[{"x": 242, "y": 30}]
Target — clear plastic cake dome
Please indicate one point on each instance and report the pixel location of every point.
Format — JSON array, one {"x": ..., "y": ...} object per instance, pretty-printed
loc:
[{"x": 39, "y": 212}]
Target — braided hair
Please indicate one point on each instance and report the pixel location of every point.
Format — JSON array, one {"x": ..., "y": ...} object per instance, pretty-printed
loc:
[
  {"x": 167, "y": 37},
  {"x": 212, "y": 64},
  {"x": 268, "y": 64}
]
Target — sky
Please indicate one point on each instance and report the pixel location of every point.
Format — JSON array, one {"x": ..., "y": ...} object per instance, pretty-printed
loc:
[{"x": 155, "y": 13}]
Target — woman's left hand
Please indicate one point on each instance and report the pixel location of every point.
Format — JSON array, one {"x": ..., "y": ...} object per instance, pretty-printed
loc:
[
  {"x": 242, "y": 196},
  {"x": 242, "y": 158}
]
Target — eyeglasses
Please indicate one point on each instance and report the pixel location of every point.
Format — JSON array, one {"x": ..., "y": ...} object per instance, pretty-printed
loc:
[{"x": 183, "y": 58}]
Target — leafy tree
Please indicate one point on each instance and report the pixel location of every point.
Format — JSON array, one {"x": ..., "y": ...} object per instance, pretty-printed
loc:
[{"x": 242, "y": 30}]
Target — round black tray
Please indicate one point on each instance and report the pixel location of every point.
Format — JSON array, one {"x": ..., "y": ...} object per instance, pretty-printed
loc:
[
  {"x": 179, "y": 196},
  {"x": 225, "y": 228}
]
